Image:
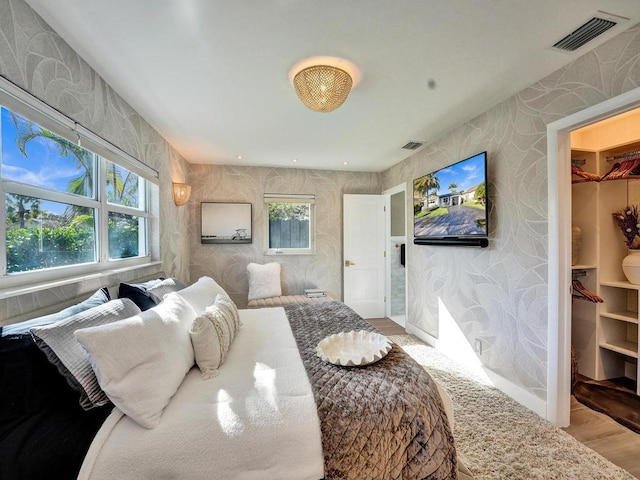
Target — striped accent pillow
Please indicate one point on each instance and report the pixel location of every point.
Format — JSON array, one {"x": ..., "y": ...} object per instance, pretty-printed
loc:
[
  {"x": 212, "y": 333},
  {"x": 72, "y": 361}
]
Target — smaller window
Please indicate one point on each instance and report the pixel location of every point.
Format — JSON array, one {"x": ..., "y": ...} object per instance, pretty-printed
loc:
[{"x": 290, "y": 224}]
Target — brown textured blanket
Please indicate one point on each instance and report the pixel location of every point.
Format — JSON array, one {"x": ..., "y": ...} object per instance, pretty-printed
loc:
[{"x": 384, "y": 421}]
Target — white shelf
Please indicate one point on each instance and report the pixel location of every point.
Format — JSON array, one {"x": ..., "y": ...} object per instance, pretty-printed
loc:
[
  {"x": 583, "y": 267},
  {"x": 619, "y": 284},
  {"x": 630, "y": 317},
  {"x": 626, "y": 348}
]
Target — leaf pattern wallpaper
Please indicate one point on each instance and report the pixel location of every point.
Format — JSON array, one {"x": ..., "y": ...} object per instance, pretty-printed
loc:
[{"x": 498, "y": 294}]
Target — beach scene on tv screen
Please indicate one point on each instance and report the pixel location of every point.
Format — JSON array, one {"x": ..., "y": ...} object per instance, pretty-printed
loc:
[{"x": 451, "y": 201}]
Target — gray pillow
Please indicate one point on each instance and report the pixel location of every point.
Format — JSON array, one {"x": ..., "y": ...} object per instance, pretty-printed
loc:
[
  {"x": 101, "y": 296},
  {"x": 168, "y": 285},
  {"x": 63, "y": 350}
]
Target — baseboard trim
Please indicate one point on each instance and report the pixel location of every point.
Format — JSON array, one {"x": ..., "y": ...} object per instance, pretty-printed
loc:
[{"x": 519, "y": 394}]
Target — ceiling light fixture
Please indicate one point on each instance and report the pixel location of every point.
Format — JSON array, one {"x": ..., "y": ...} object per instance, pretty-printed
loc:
[{"x": 323, "y": 83}]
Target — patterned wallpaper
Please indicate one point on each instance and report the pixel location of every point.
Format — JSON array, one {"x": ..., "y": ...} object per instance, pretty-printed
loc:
[
  {"x": 227, "y": 263},
  {"x": 499, "y": 294},
  {"x": 35, "y": 58}
]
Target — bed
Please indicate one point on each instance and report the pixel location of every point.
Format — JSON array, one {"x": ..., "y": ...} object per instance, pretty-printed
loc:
[{"x": 273, "y": 409}]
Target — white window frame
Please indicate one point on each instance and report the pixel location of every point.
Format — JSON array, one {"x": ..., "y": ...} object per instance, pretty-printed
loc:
[
  {"x": 24, "y": 104},
  {"x": 290, "y": 198}
]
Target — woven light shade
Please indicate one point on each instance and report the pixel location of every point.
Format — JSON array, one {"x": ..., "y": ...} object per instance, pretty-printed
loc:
[
  {"x": 181, "y": 193},
  {"x": 322, "y": 88}
]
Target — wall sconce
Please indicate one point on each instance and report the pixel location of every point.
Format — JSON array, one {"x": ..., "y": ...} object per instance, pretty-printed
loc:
[{"x": 181, "y": 193}]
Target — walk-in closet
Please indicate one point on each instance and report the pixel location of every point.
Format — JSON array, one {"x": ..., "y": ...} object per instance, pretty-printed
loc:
[{"x": 605, "y": 162}]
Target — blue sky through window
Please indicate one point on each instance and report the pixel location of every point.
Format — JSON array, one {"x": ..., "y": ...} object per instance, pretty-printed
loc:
[{"x": 43, "y": 166}]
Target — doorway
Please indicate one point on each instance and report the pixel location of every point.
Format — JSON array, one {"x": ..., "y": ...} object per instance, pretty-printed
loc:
[
  {"x": 396, "y": 239},
  {"x": 560, "y": 275}
]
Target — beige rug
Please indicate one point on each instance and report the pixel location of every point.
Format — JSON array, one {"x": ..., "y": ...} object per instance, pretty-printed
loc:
[{"x": 499, "y": 439}]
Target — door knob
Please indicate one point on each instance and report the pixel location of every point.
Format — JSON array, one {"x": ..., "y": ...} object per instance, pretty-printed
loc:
[{"x": 348, "y": 263}]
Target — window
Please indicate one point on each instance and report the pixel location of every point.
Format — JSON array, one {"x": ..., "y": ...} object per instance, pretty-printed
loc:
[
  {"x": 65, "y": 205},
  {"x": 290, "y": 224}
]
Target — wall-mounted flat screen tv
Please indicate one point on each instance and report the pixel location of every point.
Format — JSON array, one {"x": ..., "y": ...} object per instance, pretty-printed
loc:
[{"x": 450, "y": 204}]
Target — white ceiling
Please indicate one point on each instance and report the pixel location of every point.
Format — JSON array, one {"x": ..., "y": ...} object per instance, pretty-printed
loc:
[{"x": 212, "y": 75}]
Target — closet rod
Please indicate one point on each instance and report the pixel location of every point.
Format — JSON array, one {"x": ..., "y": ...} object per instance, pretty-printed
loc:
[
  {"x": 626, "y": 155},
  {"x": 578, "y": 273}
]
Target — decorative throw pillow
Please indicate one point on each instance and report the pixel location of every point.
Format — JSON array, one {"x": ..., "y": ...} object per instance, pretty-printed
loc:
[
  {"x": 139, "y": 293},
  {"x": 206, "y": 345},
  {"x": 168, "y": 285},
  {"x": 228, "y": 307},
  {"x": 201, "y": 294},
  {"x": 264, "y": 280},
  {"x": 212, "y": 333},
  {"x": 72, "y": 361},
  {"x": 22, "y": 328},
  {"x": 141, "y": 361}
]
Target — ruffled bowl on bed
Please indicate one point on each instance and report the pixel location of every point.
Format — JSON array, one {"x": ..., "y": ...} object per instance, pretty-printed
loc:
[{"x": 354, "y": 348}]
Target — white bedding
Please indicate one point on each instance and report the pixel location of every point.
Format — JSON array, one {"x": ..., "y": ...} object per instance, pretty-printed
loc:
[{"x": 256, "y": 420}]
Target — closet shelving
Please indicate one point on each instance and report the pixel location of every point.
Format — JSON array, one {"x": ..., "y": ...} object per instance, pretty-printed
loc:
[{"x": 605, "y": 335}]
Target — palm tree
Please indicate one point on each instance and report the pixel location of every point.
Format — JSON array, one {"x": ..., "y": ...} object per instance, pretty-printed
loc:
[
  {"x": 27, "y": 131},
  {"x": 426, "y": 183},
  {"x": 121, "y": 191},
  {"x": 453, "y": 187},
  {"x": 21, "y": 208}
]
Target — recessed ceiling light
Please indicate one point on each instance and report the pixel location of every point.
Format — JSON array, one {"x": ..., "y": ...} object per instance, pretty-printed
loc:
[
  {"x": 239, "y": 157},
  {"x": 344, "y": 163},
  {"x": 294, "y": 160}
]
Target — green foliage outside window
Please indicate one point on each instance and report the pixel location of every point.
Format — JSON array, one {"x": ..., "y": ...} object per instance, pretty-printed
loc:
[
  {"x": 35, "y": 248},
  {"x": 39, "y": 236},
  {"x": 288, "y": 211}
]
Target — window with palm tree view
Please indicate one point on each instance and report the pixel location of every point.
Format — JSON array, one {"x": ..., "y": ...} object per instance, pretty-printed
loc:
[{"x": 65, "y": 205}]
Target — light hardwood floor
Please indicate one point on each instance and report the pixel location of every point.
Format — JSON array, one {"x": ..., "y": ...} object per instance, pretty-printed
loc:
[
  {"x": 597, "y": 431},
  {"x": 606, "y": 436}
]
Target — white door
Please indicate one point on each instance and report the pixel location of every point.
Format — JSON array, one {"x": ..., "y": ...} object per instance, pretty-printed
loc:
[{"x": 364, "y": 254}]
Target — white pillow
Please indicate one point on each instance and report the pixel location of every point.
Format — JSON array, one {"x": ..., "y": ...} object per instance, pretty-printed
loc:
[
  {"x": 141, "y": 361},
  {"x": 212, "y": 333},
  {"x": 201, "y": 294},
  {"x": 264, "y": 280}
]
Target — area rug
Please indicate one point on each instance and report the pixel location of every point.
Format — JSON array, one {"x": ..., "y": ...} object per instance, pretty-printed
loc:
[
  {"x": 499, "y": 439},
  {"x": 622, "y": 406}
]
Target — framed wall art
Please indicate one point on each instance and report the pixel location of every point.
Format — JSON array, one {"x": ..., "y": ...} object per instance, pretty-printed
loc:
[{"x": 226, "y": 222}]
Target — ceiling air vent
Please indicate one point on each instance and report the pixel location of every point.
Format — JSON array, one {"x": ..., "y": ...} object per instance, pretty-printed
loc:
[
  {"x": 596, "y": 26},
  {"x": 413, "y": 145}
]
